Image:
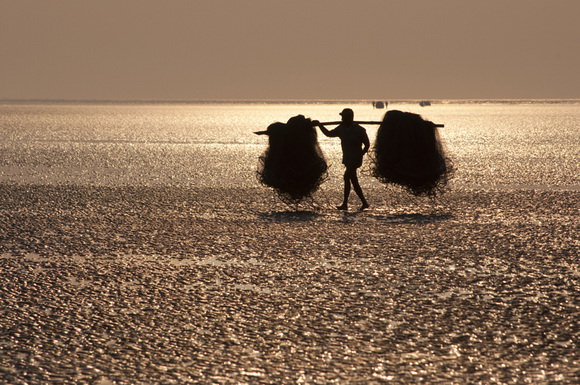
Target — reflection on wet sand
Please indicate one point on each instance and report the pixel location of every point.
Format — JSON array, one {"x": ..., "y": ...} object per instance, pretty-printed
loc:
[{"x": 140, "y": 284}]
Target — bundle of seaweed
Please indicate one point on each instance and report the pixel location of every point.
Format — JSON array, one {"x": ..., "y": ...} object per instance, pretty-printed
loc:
[
  {"x": 293, "y": 163},
  {"x": 408, "y": 152}
]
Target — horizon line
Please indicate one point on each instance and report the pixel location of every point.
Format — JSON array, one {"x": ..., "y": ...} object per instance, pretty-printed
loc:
[{"x": 292, "y": 101}]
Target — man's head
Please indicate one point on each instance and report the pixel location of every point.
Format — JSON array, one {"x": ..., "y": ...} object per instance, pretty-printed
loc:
[{"x": 347, "y": 115}]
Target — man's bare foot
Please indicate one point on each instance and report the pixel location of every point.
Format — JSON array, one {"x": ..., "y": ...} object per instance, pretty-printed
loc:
[
  {"x": 364, "y": 206},
  {"x": 342, "y": 207}
]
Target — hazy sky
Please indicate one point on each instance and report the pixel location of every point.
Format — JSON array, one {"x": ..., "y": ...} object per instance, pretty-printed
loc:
[{"x": 289, "y": 49}]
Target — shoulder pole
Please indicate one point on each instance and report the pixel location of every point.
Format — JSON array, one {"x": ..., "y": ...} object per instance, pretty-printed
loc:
[{"x": 368, "y": 122}]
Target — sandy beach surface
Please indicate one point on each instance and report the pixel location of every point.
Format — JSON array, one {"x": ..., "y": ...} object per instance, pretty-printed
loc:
[{"x": 172, "y": 285}]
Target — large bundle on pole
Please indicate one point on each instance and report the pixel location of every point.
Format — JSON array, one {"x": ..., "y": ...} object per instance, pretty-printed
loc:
[
  {"x": 409, "y": 153},
  {"x": 293, "y": 163}
]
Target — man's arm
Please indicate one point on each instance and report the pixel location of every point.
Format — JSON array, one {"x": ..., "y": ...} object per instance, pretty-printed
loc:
[
  {"x": 324, "y": 130},
  {"x": 366, "y": 142}
]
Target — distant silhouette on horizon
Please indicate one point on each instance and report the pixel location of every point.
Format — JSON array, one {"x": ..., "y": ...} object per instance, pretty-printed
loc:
[{"x": 355, "y": 143}]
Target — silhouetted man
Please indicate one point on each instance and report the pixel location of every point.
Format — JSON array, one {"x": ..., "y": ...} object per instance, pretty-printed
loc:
[{"x": 355, "y": 143}]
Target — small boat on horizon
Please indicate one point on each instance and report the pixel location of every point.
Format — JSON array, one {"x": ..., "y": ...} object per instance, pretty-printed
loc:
[
  {"x": 380, "y": 104},
  {"x": 424, "y": 103}
]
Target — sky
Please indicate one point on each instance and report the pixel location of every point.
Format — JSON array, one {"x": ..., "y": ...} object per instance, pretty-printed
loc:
[{"x": 280, "y": 49}]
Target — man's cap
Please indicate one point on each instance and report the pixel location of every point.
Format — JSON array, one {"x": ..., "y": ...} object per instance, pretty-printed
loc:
[{"x": 347, "y": 112}]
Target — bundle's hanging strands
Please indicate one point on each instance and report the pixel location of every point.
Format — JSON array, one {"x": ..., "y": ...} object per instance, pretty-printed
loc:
[
  {"x": 408, "y": 152},
  {"x": 293, "y": 163}
]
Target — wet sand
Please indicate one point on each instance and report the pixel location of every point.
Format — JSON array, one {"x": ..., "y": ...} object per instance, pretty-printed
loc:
[{"x": 127, "y": 285}]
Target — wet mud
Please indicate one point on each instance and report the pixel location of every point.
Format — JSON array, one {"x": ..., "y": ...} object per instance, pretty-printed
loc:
[{"x": 131, "y": 285}]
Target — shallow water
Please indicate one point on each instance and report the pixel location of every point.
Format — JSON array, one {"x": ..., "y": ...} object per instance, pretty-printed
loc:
[
  {"x": 502, "y": 146},
  {"x": 136, "y": 247}
]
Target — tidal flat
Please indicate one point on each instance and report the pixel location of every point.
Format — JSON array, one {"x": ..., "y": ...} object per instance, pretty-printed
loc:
[{"x": 175, "y": 285}]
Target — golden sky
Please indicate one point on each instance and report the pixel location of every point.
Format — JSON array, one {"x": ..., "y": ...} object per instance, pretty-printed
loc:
[{"x": 299, "y": 49}]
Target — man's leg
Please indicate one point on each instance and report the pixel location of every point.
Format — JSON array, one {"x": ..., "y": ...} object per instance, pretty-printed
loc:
[
  {"x": 346, "y": 177},
  {"x": 358, "y": 189}
]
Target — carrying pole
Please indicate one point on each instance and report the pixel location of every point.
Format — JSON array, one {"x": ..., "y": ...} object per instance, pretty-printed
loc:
[{"x": 367, "y": 122}]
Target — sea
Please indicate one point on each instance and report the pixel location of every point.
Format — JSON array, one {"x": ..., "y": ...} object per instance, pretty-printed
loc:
[
  {"x": 191, "y": 274},
  {"x": 529, "y": 145}
]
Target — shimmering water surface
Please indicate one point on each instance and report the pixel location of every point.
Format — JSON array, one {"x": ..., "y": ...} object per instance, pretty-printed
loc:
[
  {"x": 493, "y": 145},
  {"x": 136, "y": 247}
]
